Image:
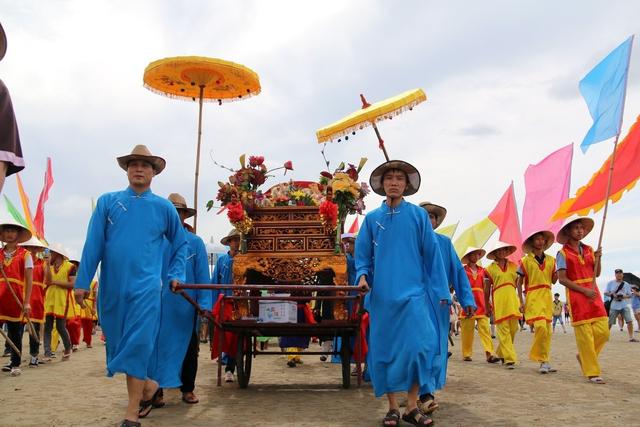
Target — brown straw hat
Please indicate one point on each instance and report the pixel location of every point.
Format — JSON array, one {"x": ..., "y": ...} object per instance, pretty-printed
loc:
[
  {"x": 439, "y": 211},
  {"x": 181, "y": 204},
  {"x": 470, "y": 250},
  {"x": 3, "y": 43},
  {"x": 141, "y": 152},
  {"x": 548, "y": 237},
  {"x": 563, "y": 235},
  {"x": 24, "y": 233},
  {"x": 499, "y": 245},
  {"x": 375, "y": 181},
  {"x": 232, "y": 234}
]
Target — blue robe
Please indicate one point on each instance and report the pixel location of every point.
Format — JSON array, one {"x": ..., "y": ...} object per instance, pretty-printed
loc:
[
  {"x": 457, "y": 278},
  {"x": 126, "y": 235},
  {"x": 178, "y": 317},
  {"x": 408, "y": 286},
  {"x": 222, "y": 275}
]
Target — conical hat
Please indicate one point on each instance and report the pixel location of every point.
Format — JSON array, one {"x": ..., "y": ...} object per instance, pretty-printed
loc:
[
  {"x": 470, "y": 250},
  {"x": 34, "y": 242},
  {"x": 499, "y": 245},
  {"x": 375, "y": 181},
  {"x": 563, "y": 235},
  {"x": 59, "y": 249},
  {"x": 141, "y": 152},
  {"x": 548, "y": 237},
  {"x": 439, "y": 211},
  {"x": 181, "y": 204},
  {"x": 350, "y": 236},
  {"x": 23, "y": 234}
]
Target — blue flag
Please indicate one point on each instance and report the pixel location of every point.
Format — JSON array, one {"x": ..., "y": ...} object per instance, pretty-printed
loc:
[{"x": 603, "y": 89}]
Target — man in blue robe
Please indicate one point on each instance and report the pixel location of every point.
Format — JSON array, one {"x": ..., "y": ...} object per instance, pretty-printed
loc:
[
  {"x": 176, "y": 361},
  {"x": 127, "y": 235},
  {"x": 223, "y": 275},
  {"x": 398, "y": 261},
  {"x": 457, "y": 278}
]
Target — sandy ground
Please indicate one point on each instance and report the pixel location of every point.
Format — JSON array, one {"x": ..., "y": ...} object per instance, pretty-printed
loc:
[{"x": 77, "y": 393}]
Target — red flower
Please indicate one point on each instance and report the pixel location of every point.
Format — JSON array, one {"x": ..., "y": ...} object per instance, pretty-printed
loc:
[
  {"x": 329, "y": 213},
  {"x": 255, "y": 161},
  {"x": 288, "y": 165},
  {"x": 326, "y": 174},
  {"x": 235, "y": 212},
  {"x": 352, "y": 172}
]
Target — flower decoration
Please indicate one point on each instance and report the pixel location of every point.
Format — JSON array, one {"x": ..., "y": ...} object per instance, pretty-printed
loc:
[{"x": 329, "y": 215}]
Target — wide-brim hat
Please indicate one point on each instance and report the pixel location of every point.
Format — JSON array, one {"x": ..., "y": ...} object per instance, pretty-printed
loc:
[
  {"x": 24, "y": 233},
  {"x": 232, "y": 234},
  {"x": 563, "y": 235},
  {"x": 34, "y": 242},
  {"x": 141, "y": 152},
  {"x": 59, "y": 249},
  {"x": 3, "y": 43},
  {"x": 375, "y": 181},
  {"x": 181, "y": 204},
  {"x": 347, "y": 236},
  {"x": 470, "y": 250},
  {"x": 439, "y": 211},
  {"x": 499, "y": 245},
  {"x": 548, "y": 237}
]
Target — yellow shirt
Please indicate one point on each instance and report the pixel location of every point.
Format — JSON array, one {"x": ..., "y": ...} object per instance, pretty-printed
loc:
[
  {"x": 59, "y": 301},
  {"x": 505, "y": 298},
  {"x": 537, "y": 283}
]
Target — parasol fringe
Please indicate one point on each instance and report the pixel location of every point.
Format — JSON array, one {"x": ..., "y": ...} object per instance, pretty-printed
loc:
[
  {"x": 195, "y": 98},
  {"x": 362, "y": 125}
]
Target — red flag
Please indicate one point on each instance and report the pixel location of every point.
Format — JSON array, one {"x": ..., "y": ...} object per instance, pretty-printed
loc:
[
  {"x": 354, "y": 227},
  {"x": 38, "y": 221},
  {"x": 626, "y": 172},
  {"x": 505, "y": 217}
]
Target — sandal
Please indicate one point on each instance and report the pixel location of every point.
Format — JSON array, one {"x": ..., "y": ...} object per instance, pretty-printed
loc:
[
  {"x": 392, "y": 418},
  {"x": 147, "y": 405},
  {"x": 417, "y": 418},
  {"x": 493, "y": 359},
  {"x": 597, "y": 380},
  {"x": 428, "y": 404},
  {"x": 158, "y": 402},
  {"x": 190, "y": 398},
  {"x": 467, "y": 359},
  {"x": 129, "y": 423}
]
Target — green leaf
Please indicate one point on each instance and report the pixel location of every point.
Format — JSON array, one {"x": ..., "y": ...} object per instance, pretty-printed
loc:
[{"x": 242, "y": 160}]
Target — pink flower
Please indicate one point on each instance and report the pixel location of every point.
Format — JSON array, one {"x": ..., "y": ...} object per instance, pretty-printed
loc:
[
  {"x": 256, "y": 161},
  {"x": 288, "y": 165}
]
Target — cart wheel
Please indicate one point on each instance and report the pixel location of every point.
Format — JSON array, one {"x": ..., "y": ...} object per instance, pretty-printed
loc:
[
  {"x": 345, "y": 356},
  {"x": 243, "y": 360}
]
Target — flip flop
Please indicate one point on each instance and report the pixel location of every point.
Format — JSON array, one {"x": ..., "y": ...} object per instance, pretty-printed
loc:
[
  {"x": 193, "y": 399},
  {"x": 428, "y": 406},
  {"x": 597, "y": 380},
  {"x": 147, "y": 405},
  {"x": 129, "y": 423}
]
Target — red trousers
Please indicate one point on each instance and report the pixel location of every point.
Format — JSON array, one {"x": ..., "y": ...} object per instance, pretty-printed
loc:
[
  {"x": 87, "y": 328},
  {"x": 73, "y": 326}
]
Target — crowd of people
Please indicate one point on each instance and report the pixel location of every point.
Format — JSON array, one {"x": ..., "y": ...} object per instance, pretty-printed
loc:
[{"x": 411, "y": 276}]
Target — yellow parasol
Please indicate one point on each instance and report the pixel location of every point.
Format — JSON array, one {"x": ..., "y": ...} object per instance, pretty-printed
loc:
[
  {"x": 370, "y": 114},
  {"x": 199, "y": 78}
]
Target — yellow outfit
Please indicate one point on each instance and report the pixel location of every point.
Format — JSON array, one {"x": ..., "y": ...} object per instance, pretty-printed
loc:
[
  {"x": 590, "y": 340},
  {"x": 538, "y": 306},
  {"x": 467, "y": 331},
  {"x": 506, "y": 308},
  {"x": 90, "y": 303},
  {"x": 56, "y": 302}
]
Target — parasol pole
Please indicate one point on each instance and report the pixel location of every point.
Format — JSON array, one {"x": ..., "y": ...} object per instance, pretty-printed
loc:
[
  {"x": 611, "y": 165},
  {"x": 195, "y": 189},
  {"x": 366, "y": 105}
]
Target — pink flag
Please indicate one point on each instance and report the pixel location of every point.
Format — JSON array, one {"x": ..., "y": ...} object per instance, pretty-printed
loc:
[
  {"x": 547, "y": 184},
  {"x": 505, "y": 217},
  {"x": 44, "y": 196}
]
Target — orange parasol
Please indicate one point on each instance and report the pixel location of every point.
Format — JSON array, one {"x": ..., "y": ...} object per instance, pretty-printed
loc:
[
  {"x": 369, "y": 115},
  {"x": 199, "y": 78}
]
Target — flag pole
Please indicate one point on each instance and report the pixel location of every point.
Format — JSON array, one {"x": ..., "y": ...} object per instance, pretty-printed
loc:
[{"x": 611, "y": 164}]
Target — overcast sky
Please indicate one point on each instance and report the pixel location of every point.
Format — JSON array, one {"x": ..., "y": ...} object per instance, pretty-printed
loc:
[{"x": 501, "y": 79}]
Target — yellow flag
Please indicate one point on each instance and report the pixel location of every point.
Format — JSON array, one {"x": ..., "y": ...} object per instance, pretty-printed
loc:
[
  {"x": 476, "y": 236},
  {"x": 448, "y": 230}
]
